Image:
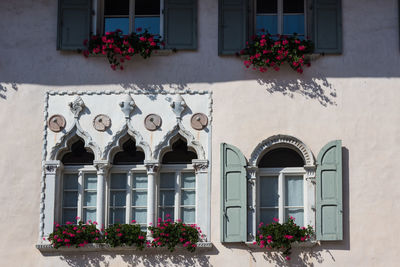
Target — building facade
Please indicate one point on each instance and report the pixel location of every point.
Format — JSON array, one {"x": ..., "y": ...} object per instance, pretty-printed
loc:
[{"x": 197, "y": 135}]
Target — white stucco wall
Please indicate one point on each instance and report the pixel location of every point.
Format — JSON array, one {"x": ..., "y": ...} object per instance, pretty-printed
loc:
[{"x": 354, "y": 97}]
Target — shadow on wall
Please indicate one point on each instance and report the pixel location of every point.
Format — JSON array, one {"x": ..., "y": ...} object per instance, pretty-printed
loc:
[
  {"x": 4, "y": 88},
  {"x": 318, "y": 89},
  {"x": 141, "y": 258}
]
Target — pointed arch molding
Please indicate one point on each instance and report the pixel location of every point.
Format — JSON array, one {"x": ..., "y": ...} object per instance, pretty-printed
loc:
[
  {"x": 282, "y": 140},
  {"x": 115, "y": 145},
  {"x": 65, "y": 142},
  {"x": 169, "y": 138}
]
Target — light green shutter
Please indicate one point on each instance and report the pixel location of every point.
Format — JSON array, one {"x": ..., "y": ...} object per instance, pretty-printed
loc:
[
  {"x": 232, "y": 26},
  {"x": 233, "y": 195},
  {"x": 180, "y": 24},
  {"x": 329, "y": 225},
  {"x": 74, "y": 22},
  {"x": 327, "y": 35}
]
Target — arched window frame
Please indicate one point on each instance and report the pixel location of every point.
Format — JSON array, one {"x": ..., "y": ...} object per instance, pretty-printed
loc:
[{"x": 254, "y": 174}]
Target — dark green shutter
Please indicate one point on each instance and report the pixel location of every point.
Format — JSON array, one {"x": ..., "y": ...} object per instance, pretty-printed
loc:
[
  {"x": 74, "y": 20},
  {"x": 329, "y": 208},
  {"x": 180, "y": 24},
  {"x": 233, "y": 194},
  {"x": 327, "y": 34},
  {"x": 232, "y": 26}
]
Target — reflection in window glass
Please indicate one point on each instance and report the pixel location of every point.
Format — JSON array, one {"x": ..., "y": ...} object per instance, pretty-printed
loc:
[
  {"x": 293, "y": 24},
  {"x": 147, "y": 15},
  {"x": 293, "y": 6},
  {"x": 112, "y": 24},
  {"x": 267, "y": 6},
  {"x": 267, "y": 24}
]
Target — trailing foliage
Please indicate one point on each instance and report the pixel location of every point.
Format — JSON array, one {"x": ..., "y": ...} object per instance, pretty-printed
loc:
[
  {"x": 282, "y": 236},
  {"x": 77, "y": 235},
  {"x": 265, "y": 51},
  {"x": 118, "y": 48},
  {"x": 169, "y": 234},
  {"x": 125, "y": 234}
]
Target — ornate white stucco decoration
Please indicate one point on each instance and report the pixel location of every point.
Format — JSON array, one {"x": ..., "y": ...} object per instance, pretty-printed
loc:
[
  {"x": 178, "y": 106},
  {"x": 115, "y": 145},
  {"x": 76, "y": 106},
  {"x": 285, "y": 141},
  {"x": 179, "y": 129},
  {"x": 127, "y": 105},
  {"x": 64, "y": 144}
]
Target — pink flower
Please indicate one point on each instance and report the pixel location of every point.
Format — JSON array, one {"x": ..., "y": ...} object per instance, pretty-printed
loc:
[
  {"x": 287, "y": 258},
  {"x": 119, "y": 234},
  {"x": 66, "y": 240},
  {"x": 302, "y": 47},
  {"x": 143, "y": 39},
  {"x": 141, "y": 237},
  {"x": 127, "y": 58},
  {"x": 303, "y": 238},
  {"x": 194, "y": 245},
  {"x": 254, "y": 243},
  {"x": 75, "y": 228},
  {"x": 69, "y": 223},
  {"x": 285, "y": 42},
  {"x": 153, "y": 44},
  {"x": 288, "y": 237},
  {"x": 276, "y": 220},
  {"x": 104, "y": 39}
]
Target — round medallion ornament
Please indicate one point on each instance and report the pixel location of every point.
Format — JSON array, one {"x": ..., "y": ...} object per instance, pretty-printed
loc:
[
  {"x": 199, "y": 121},
  {"x": 152, "y": 122},
  {"x": 101, "y": 122},
  {"x": 56, "y": 123}
]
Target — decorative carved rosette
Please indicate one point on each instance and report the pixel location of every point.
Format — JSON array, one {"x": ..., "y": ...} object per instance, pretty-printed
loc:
[{"x": 200, "y": 166}]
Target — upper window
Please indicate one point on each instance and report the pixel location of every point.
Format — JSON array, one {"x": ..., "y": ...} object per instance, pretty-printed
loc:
[
  {"x": 280, "y": 17},
  {"x": 132, "y": 15}
]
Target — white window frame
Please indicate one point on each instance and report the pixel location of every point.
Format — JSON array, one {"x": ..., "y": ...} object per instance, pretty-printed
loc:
[
  {"x": 280, "y": 17},
  {"x": 282, "y": 173},
  {"x": 98, "y": 20},
  {"x": 129, "y": 170},
  {"x": 177, "y": 169},
  {"x": 79, "y": 170}
]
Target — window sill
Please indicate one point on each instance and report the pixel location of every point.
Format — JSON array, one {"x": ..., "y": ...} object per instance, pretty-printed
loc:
[
  {"x": 48, "y": 249},
  {"x": 308, "y": 244}
]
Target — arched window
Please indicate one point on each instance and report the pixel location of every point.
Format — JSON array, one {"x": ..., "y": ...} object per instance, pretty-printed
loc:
[
  {"x": 79, "y": 184},
  {"x": 281, "y": 185},
  {"x": 177, "y": 183},
  {"x": 128, "y": 185}
]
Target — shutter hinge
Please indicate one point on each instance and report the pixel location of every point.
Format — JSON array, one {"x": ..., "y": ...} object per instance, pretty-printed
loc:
[{"x": 313, "y": 207}]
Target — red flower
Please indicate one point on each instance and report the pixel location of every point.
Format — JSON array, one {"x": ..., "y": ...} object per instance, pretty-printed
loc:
[{"x": 302, "y": 47}]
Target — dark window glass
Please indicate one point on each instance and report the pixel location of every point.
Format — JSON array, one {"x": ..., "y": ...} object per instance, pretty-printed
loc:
[
  {"x": 267, "y": 6},
  {"x": 281, "y": 157},
  {"x": 179, "y": 154},
  {"x": 78, "y": 155},
  {"x": 293, "y": 6},
  {"x": 147, "y": 7},
  {"x": 129, "y": 155},
  {"x": 116, "y": 7}
]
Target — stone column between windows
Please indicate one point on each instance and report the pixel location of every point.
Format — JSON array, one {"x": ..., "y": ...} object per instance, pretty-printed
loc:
[
  {"x": 201, "y": 169},
  {"x": 102, "y": 169},
  {"x": 52, "y": 170},
  {"x": 152, "y": 169},
  {"x": 251, "y": 202}
]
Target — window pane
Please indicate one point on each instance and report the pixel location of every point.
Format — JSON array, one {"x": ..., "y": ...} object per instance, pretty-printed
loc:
[
  {"x": 293, "y": 6},
  {"x": 90, "y": 181},
  {"x": 163, "y": 212},
  {"x": 294, "y": 191},
  {"x": 139, "y": 198},
  {"x": 139, "y": 180},
  {"x": 151, "y": 24},
  {"x": 71, "y": 181},
  {"x": 267, "y": 215},
  {"x": 269, "y": 191},
  {"x": 147, "y": 7},
  {"x": 117, "y": 198},
  {"x": 118, "y": 181},
  {"x": 167, "y": 180},
  {"x": 70, "y": 199},
  {"x": 139, "y": 215},
  {"x": 167, "y": 198},
  {"x": 188, "y": 198},
  {"x": 112, "y": 24},
  {"x": 188, "y": 215},
  {"x": 298, "y": 215},
  {"x": 90, "y": 199},
  {"x": 116, "y": 7},
  {"x": 69, "y": 215},
  {"x": 267, "y": 6},
  {"x": 188, "y": 180},
  {"x": 89, "y": 214},
  {"x": 293, "y": 24},
  {"x": 117, "y": 215},
  {"x": 267, "y": 24}
]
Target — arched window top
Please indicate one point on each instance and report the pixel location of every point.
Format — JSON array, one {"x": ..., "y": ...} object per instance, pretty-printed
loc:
[
  {"x": 129, "y": 154},
  {"x": 280, "y": 158},
  {"x": 78, "y": 155},
  {"x": 180, "y": 153}
]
